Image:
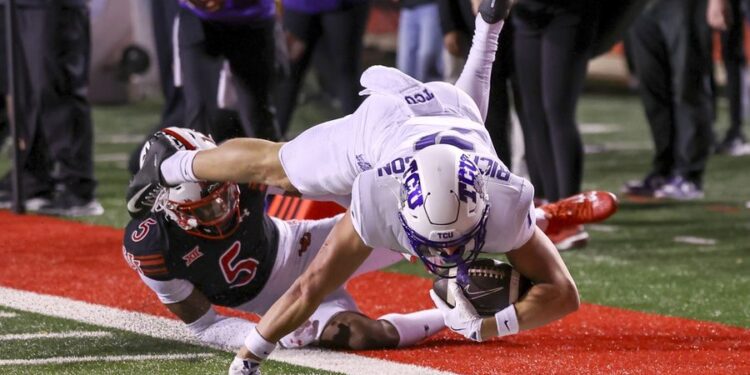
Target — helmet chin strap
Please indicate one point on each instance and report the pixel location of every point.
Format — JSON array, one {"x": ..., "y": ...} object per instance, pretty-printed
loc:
[{"x": 462, "y": 269}]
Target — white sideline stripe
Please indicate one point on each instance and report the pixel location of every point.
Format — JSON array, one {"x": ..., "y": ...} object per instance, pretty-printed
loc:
[
  {"x": 7, "y": 315},
  {"x": 692, "y": 240},
  {"x": 170, "y": 329},
  {"x": 109, "y": 358},
  {"x": 56, "y": 335}
]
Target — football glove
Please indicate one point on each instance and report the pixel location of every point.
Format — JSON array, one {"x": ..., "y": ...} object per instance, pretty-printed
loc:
[
  {"x": 463, "y": 318},
  {"x": 146, "y": 184},
  {"x": 244, "y": 366}
]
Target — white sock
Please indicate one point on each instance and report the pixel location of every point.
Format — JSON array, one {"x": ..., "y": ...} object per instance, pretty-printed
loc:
[
  {"x": 541, "y": 219},
  {"x": 475, "y": 77},
  {"x": 178, "y": 168},
  {"x": 415, "y": 327}
]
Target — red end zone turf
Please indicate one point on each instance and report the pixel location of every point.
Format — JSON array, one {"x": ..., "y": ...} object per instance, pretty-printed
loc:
[{"x": 84, "y": 262}]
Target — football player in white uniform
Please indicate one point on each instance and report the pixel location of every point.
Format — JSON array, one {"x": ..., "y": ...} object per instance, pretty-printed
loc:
[
  {"x": 418, "y": 173},
  {"x": 212, "y": 244}
]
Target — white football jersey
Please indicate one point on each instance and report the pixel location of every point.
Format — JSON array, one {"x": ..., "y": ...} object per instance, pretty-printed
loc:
[{"x": 359, "y": 159}]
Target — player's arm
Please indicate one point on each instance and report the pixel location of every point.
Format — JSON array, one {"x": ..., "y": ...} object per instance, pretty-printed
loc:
[
  {"x": 203, "y": 322},
  {"x": 243, "y": 160},
  {"x": 342, "y": 253},
  {"x": 554, "y": 293}
]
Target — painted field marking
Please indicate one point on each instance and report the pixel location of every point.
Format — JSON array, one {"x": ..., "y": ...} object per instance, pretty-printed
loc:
[
  {"x": 4, "y": 314},
  {"x": 102, "y": 358},
  {"x": 597, "y": 128},
  {"x": 55, "y": 335},
  {"x": 602, "y": 228},
  {"x": 171, "y": 329},
  {"x": 692, "y": 240}
]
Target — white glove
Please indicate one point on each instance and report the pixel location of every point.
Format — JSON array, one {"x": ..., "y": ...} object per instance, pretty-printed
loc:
[
  {"x": 462, "y": 318},
  {"x": 244, "y": 366}
]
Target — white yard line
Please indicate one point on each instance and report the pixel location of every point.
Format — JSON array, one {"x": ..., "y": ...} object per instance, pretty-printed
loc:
[
  {"x": 7, "y": 314},
  {"x": 170, "y": 329},
  {"x": 55, "y": 335},
  {"x": 102, "y": 358}
]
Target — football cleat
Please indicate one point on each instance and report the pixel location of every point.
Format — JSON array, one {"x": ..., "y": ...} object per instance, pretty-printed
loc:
[
  {"x": 493, "y": 11},
  {"x": 588, "y": 207},
  {"x": 147, "y": 183}
]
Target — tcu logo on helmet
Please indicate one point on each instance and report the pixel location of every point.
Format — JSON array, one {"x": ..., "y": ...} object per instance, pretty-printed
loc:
[
  {"x": 424, "y": 96},
  {"x": 412, "y": 188},
  {"x": 467, "y": 180}
]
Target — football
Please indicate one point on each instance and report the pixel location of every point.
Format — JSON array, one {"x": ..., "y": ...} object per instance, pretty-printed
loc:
[{"x": 493, "y": 285}]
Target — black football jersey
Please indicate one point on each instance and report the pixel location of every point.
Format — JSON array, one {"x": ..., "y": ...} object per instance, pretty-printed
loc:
[{"x": 229, "y": 271}]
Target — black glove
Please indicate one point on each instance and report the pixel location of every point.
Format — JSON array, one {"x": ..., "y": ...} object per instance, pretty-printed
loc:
[
  {"x": 146, "y": 184},
  {"x": 493, "y": 11}
]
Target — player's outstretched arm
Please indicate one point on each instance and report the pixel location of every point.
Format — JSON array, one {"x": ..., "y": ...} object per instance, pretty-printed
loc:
[
  {"x": 342, "y": 253},
  {"x": 243, "y": 160}
]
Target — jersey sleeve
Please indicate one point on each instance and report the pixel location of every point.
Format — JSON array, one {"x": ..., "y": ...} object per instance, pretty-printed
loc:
[
  {"x": 169, "y": 291},
  {"x": 511, "y": 222},
  {"x": 525, "y": 219},
  {"x": 374, "y": 210},
  {"x": 324, "y": 160},
  {"x": 142, "y": 248}
]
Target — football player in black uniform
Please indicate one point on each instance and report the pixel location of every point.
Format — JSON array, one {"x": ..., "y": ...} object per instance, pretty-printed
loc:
[{"x": 208, "y": 244}]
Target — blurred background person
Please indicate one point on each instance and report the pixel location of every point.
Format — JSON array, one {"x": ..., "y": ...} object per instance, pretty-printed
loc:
[
  {"x": 54, "y": 117},
  {"x": 242, "y": 34},
  {"x": 671, "y": 45},
  {"x": 335, "y": 26},
  {"x": 733, "y": 56},
  {"x": 163, "y": 21},
  {"x": 420, "y": 45},
  {"x": 551, "y": 48},
  {"x": 457, "y": 25}
]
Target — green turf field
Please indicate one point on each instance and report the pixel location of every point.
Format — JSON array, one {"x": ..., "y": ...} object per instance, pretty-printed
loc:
[
  {"x": 632, "y": 261},
  {"x": 110, "y": 342}
]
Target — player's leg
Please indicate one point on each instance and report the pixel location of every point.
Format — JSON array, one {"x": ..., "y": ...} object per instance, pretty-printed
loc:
[
  {"x": 338, "y": 324},
  {"x": 475, "y": 77}
]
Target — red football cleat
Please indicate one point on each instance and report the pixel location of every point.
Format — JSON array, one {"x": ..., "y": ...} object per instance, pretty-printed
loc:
[{"x": 587, "y": 207}]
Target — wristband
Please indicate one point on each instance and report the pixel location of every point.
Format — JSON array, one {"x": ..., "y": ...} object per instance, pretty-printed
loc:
[
  {"x": 258, "y": 345},
  {"x": 178, "y": 168},
  {"x": 507, "y": 321}
]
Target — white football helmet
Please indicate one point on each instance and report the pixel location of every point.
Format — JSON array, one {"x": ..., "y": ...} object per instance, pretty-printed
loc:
[
  {"x": 204, "y": 209},
  {"x": 444, "y": 205}
]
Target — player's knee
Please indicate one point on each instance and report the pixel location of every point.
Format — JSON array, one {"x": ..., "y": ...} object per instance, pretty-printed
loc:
[{"x": 354, "y": 331}]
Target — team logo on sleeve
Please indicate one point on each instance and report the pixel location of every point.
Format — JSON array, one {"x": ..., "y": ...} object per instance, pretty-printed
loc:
[{"x": 132, "y": 262}]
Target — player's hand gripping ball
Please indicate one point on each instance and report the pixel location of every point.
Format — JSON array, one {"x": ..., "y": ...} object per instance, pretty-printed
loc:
[{"x": 493, "y": 286}]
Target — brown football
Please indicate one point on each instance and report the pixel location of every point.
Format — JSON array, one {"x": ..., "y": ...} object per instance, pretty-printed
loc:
[{"x": 493, "y": 285}]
